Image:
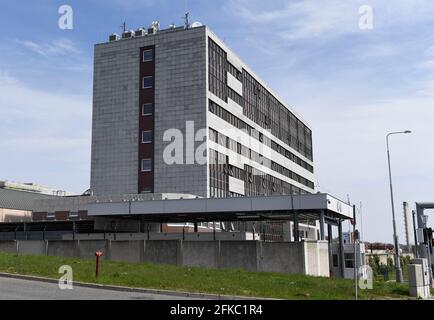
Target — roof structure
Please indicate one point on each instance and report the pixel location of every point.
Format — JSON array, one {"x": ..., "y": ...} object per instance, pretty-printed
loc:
[
  {"x": 305, "y": 207},
  {"x": 19, "y": 200}
]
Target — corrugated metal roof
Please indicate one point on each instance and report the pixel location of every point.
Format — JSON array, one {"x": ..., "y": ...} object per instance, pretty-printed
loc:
[{"x": 19, "y": 200}]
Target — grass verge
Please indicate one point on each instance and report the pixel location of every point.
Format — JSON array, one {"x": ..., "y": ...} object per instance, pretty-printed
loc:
[{"x": 200, "y": 280}]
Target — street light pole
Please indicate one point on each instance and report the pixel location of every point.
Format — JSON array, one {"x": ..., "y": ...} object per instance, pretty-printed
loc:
[{"x": 399, "y": 277}]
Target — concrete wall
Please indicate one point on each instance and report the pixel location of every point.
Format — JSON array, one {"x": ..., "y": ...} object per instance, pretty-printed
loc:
[
  {"x": 282, "y": 257},
  {"x": 239, "y": 254},
  {"x": 35, "y": 247},
  {"x": 128, "y": 251},
  {"x": 87, "y": 249},
  {"x": 324, "y": 259},
  {"x": 201, "y": 254},
  {"x": 163, "y": 252},
  {"x": 62, "y": 248},
  {"x": 286, "y": 257},
  {"x": 201, "y": 236},
  {"x": 8, "y": 246},
  {"x": 317, "y": 258}
]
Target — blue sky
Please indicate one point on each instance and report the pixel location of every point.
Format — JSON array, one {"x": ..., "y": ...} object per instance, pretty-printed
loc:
[{"x": 352, "y": 85}]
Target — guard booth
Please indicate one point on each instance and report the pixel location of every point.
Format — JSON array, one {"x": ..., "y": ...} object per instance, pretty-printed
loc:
[
  {"x": 336, "y": 264},
  {"x": 325, "y": 209}
]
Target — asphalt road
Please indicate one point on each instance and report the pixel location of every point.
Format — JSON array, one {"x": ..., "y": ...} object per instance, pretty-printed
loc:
[{"x": 17, "y": 289}]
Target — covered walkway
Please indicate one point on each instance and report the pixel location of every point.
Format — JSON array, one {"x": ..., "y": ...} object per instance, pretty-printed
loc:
[{"x": 326, "y": 209}]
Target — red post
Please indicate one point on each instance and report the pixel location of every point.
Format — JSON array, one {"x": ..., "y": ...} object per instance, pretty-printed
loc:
[{"x": 98, "y": 255}]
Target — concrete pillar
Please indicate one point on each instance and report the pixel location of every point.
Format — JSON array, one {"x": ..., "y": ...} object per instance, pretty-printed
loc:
[
  {"x": 287, "y": 231},
  {"x": 321, "y": 225},
  {"x": 330, "y": 241},
  {"x": 296, "y": 228},
  {"x": 329, "y": 233},
  {"x": 341, "y": 250}
]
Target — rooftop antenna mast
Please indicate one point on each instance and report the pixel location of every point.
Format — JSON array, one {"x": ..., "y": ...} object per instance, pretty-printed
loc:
[
  {"x": 124, "y": 26},
  {"x": 186, "y": 20}
]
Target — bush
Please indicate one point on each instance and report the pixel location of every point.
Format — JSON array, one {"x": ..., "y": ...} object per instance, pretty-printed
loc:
[
  {"x": 405, "y": 260},
  {"x": 374, "y": 263}
]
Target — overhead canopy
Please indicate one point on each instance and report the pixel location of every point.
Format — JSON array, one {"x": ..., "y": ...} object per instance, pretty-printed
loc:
[
  {"x": 420, "y": 209},
  {"x": 285, "y": 207}
]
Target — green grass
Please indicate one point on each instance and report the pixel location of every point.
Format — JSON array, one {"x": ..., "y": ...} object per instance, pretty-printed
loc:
[{"x": 227, "y": 282}]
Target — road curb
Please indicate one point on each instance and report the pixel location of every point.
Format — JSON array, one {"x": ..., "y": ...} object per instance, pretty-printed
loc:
[{"x": 202, "y": 296}]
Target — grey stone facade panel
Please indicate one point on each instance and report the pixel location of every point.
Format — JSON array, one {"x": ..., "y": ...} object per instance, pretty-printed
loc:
[{"x": 180, "y": 96}]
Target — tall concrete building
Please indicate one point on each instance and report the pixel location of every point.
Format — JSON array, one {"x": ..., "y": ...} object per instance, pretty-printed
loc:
[{"x": 177, "y": 111}]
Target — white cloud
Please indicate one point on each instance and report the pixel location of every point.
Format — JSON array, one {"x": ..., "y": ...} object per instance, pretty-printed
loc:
[
  {"x": 301, "y": 19},
  {"x": 428, "y": 64},
  {"x": 426, "y": 88},
  {"x": 350, "y": 154},
  {"x": 430, "y": 51},
  {"x": 321, "y": 20},
  {"x": 45, "y": 136},
  {"x": 6, "y": 79},
  {"x": 56, "y": 47},
  {"x": 376, "y": 50},
  {"x": 133, "y": 4}
]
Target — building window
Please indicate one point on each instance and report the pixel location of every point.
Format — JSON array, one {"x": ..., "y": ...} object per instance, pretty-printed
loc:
[
  {"x": 335, "y": 261},
  {"x": 148, "y": 55},
  {"x": 217, "y": 70},
  {"x": 148, "y": 82},
  {"x": 146, "y": 165},
  {"x": 213, "y": 135},
  {"x": 349, "y": 260},
  {"x": 146, "y": 136},
  {"x": 147, "y": 109}
]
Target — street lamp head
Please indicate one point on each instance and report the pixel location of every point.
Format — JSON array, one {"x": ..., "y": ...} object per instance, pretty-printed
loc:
[{"x": 399, "y": 132}]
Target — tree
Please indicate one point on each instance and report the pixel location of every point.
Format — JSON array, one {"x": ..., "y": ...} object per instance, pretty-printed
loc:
[{"x": 390, "y": 264}]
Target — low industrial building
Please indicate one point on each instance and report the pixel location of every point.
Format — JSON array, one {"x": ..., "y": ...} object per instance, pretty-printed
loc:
[{"x": 16, "y": 200}]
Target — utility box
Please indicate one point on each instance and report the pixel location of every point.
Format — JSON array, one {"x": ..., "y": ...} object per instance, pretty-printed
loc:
[{"x": 418, "y": 279}]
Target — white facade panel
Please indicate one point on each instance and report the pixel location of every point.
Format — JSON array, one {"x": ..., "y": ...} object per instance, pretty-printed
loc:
[
  {"x": 235, "y": 159},
  {"x": 234, "y": 107},
  {"x": 236, "y": 185},
  {"x": 235, "y": 84}
]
